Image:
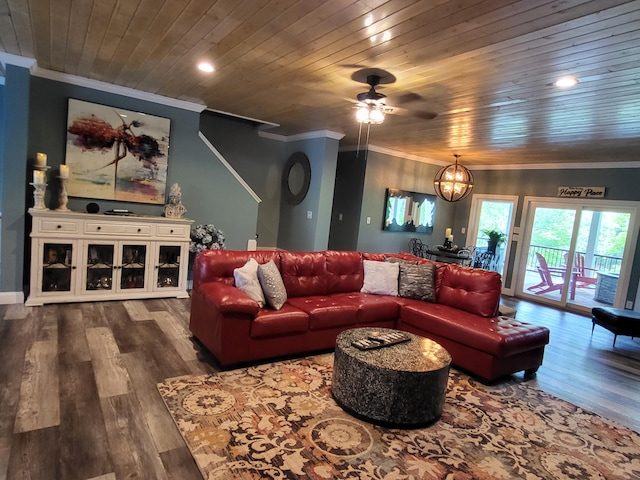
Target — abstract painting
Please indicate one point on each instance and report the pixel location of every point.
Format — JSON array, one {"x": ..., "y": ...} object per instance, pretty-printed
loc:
[{"x": 116, "y": 154}]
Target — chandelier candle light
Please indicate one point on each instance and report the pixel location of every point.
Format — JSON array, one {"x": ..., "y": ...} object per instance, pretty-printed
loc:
[{"x": 453, "y": 182}]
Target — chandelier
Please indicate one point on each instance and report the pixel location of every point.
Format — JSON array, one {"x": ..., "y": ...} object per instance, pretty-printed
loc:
[{"x": 453, "y": 182}]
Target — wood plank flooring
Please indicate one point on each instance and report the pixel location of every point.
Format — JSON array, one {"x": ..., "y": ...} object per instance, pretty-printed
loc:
[{"x": 78, "y": 396}]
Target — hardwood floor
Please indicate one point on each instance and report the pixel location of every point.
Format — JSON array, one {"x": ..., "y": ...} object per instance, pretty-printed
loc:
[{"x": 78, "y": 396}]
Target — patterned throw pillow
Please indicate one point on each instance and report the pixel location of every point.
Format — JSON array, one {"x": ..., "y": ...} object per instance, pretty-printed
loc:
[
  {"x": 380, "y": 278},
  {"x": 246, "y": 278},
  {"x": 417, "y": 281},
  {"x": 272, "y": 285}
]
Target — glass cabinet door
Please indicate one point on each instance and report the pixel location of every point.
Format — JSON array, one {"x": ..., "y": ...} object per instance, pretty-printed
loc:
[
  {"x": 134, "y": 264},
  {"x": 56, "y": 267},
  {"x": 99, "y": 267},
  {"x": 168, "y": 266}
]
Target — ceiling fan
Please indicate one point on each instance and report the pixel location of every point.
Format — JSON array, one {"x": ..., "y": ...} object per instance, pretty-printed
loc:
[{"x": 371, "y": 105}]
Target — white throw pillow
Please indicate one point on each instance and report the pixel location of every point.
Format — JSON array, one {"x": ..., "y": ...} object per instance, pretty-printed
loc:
[
  {"x": 380, "y": 278},
  {"x": 246, "y": 278}
]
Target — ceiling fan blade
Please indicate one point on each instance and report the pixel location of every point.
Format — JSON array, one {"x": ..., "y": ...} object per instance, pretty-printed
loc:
[
  {"x": 424, "y": 114},
  {"x": 404, "y": 98}
]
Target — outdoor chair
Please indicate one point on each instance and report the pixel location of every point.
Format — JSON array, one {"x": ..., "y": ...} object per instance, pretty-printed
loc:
[
  {"x": 584, "y": 276},
  {"x": 548, "y": 277}
]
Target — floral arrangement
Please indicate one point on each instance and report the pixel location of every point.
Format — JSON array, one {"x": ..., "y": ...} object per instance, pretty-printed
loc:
[{"x": 206, "y": 237}]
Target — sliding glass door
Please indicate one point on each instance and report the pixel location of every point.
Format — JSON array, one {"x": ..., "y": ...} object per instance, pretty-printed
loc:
[
  {"x": 492, "y": 217},
  {"x": 574, "y": 253}
]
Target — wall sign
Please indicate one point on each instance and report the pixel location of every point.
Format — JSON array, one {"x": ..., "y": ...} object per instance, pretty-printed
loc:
[{"x": 581, "y": 192}]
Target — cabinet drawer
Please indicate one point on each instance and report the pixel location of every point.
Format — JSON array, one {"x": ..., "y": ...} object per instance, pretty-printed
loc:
[
  {"x": 176, "y": 231},
  {"x": 45, "y": 225},
  {"x": 100, "y": 228}
]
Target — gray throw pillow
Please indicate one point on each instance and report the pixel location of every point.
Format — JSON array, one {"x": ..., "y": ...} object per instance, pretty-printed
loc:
[
  {"x": 417, "y": 281},
  {"x": 272, "y": 285}
]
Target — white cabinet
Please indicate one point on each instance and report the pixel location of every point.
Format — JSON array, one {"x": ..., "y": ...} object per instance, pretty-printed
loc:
[{"x": 79, "y": 257}]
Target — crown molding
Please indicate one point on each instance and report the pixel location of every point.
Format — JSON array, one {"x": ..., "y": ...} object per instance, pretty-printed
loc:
[
  {"x": 558, "y": 166},
  {"x": 531, "y": 166},
  {"x": 302, "y": 136},
  {"x": 17, "y": 60},
  {"x": 408, "y": 156},
  {"x": 116, "y": 89}
]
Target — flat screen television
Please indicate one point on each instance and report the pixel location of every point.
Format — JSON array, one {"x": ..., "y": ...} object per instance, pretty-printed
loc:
[{"x": 409, "y": 211}]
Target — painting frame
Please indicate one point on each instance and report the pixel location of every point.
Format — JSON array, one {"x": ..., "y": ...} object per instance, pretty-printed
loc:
[
  {"x": 116, "y": 154},
  {"x": 403, "y": 207}
]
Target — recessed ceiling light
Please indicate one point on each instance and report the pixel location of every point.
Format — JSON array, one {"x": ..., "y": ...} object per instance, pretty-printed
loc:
[
  {"x": 566, "y": 82},
  {"x": 206, "y": 67}
]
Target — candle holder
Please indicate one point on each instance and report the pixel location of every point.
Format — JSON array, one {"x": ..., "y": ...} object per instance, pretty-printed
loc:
[
  {"x": 447, "y": 243},
  {"x": 38, "y": 196},
  {"x": 63, "y": 199}
]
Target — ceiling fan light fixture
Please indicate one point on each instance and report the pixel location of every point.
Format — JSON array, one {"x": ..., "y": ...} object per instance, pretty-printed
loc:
[
  {"x": 453, "y": 182},
  {"x": 370, "y": 113}
]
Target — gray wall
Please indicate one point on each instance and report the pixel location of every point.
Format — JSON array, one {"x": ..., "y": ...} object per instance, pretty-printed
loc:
[
  {"x": 382, "y": 172},
  {"x": 297, "y": 232},
  {"x": 621, "y": 184},
  {"x": 208, "y": 188},
  {"x": 211, "y": 194},
  {"x": 2, "y": 126},
  {"x": 14, "y": 178},
  {"x": 37, "y": 108},
  {"x": 259, "y": 161}
]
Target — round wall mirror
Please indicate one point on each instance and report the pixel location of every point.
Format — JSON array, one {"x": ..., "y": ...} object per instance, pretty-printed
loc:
[{"x": 296, "y": 178}]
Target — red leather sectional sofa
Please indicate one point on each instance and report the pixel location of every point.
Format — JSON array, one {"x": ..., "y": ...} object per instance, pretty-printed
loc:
[{"x": 323, "y": 290}]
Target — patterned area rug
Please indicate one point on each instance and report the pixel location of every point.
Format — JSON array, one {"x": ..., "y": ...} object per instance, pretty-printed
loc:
[{"x": 279, "y": 421}]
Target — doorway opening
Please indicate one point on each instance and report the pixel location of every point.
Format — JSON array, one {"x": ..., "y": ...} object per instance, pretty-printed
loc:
[{"x": 492, "y": 216}]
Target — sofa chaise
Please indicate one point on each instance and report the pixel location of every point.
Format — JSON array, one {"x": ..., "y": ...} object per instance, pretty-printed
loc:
[{"x": 328, "y": 292}]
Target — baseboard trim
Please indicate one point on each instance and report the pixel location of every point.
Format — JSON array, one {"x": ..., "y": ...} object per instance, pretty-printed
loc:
[{"x": 9, "y": 298}]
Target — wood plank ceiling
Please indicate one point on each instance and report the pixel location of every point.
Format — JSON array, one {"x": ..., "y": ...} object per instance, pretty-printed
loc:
[{"x": 486, "y": 68}]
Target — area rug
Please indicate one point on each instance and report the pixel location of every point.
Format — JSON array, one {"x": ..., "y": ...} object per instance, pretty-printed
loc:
[{"x": 279, "y": 421}]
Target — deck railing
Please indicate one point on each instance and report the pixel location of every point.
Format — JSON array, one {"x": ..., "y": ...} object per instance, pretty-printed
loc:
[{"x": 556, "y": 257}]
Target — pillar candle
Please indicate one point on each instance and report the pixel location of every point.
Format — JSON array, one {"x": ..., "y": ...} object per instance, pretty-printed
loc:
[
  {"x": 447, "y": 232},
  {"x": 38, "y": 177},
  {"x": 41, "y": 159},
  {"x": 451, "y": 238},
  {"x": 64, "y": 171}
]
